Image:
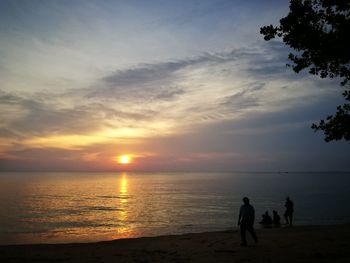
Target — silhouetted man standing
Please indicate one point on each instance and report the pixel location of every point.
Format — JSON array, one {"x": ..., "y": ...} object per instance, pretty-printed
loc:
[
  {"x": 246, "y": 221},
  {"x": 288, "y": 215}
]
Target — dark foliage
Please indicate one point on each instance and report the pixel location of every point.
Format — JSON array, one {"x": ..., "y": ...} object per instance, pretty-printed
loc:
[{"x": 319, "y": 32}]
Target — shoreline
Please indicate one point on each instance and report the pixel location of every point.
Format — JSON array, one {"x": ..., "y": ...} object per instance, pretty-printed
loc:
[
  {"x": 325, "y": 243},
  {"x": 257, "y": 227}
]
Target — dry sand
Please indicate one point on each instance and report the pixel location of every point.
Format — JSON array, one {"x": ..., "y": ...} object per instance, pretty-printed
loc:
[{"x": 287, "y": 244}]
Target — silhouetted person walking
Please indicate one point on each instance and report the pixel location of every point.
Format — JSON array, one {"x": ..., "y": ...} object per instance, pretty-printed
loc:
[
  {"x": 246, "y": 221},
  {"x": 288, "y": 215},
  {"x": 276, "y": 218}
]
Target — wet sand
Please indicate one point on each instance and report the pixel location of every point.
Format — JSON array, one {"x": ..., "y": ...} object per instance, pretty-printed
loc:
[{"x": 286, "y": 244}]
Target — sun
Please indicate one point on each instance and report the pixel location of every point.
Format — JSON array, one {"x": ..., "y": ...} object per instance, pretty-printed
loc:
[{"x": 124, "y": 159}]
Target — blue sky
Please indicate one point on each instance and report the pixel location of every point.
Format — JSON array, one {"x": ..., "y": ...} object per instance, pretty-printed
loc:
[{"x": 178, "y": 85}]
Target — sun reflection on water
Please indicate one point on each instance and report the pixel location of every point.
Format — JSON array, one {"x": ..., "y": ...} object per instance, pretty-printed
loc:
[
  {"x": 124, "y": 229},
  {"x": 123, "y": 189}
]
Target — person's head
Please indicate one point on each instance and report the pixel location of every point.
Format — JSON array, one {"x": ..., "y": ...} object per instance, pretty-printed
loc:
[
  {"x": 287, "y": 198},
  {"x": 246, "y": 200},
  {"x": 274, "y": 212}
]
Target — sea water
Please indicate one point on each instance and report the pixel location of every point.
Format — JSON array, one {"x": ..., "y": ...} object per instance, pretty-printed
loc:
[{"x": 83, "y": 207}]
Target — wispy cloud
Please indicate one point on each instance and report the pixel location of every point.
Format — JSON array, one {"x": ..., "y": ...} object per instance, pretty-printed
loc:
[
  {"x": 155, "y": 100},
  {"x": 213, "y": 84}
]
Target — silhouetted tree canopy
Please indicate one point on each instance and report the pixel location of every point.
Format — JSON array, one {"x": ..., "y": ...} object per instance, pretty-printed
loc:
[{"x": 319, "y": 32}]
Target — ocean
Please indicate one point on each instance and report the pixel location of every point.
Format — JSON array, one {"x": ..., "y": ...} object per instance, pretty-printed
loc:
[{"x": 70, "y": 207}]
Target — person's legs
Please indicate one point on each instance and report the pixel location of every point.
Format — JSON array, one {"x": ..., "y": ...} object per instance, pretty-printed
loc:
[
  {"x": 243, "y": 235},
  {"x": 286, "y": 217},
  {"x": 291, "y": 218},
  {"x": 251, "y": 230}
]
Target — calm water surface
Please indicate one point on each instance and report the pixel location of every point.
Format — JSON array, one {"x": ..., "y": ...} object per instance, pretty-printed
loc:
[{"x": 81, "y": 207}]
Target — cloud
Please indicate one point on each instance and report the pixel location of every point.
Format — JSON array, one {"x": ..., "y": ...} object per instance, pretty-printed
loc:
[
  {"x": 245, "y": 98},
  {"x": 150, "y": 80},
  {"x": 202, "y": 85},
  {"x": 169, "y": 93},
  {"x": 210, "y": 87},
  {"x": 32, "y": 116},
  {"x": 144, "y": 73},
  {"x": 159, "y": 100}
]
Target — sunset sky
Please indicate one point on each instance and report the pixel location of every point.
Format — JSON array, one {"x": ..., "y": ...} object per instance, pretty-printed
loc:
[{"x": 175, "y": 85}]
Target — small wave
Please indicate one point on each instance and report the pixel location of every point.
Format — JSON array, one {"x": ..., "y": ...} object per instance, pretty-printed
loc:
[
  {"x": 113, "y": 197},
  {"x": 107, "y": 196},
  {"x": 102, "y": 208},
  {"x": 54, "y": 212},
  {"x": 48, "y": 196}
]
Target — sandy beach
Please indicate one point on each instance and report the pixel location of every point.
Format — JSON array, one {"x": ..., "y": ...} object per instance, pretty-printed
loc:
[{"x": 286, "y": 244}]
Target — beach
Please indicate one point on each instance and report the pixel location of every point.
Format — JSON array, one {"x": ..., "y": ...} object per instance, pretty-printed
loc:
[{"x": 286, "y": 244}]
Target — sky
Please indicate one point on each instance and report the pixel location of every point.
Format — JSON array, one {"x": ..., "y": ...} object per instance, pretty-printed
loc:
[{"x": 177, "y": 85}]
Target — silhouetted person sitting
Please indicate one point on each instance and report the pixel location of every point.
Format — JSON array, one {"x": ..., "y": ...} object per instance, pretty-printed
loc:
[
  {"x": 246, "y": 221},
  {"x": 276, "y": 218},
  {"x": 288, "y": 215},
  {"x": 266, "y": 219}
]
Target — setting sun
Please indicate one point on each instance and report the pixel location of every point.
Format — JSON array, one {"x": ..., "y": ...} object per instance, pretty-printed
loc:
[{"x": 124, "y": 159}]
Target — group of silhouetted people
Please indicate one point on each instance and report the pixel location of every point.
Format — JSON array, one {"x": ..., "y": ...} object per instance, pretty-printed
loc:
[
  {"x": 247, "y": 216},
  {"x": 267, "y": 220}
]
